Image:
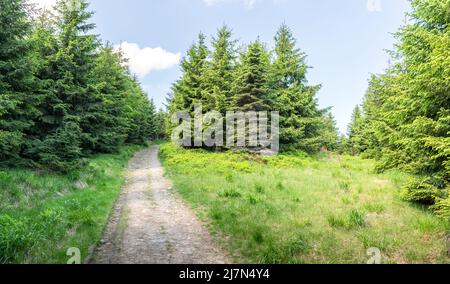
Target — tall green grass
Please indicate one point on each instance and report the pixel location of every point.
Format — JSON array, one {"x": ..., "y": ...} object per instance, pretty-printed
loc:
[
  {"x": 299, "y": 209},
  {"x": 43, "y": 215}
]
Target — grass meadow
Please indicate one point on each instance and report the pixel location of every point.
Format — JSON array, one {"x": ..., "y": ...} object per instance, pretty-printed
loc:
[{"x": 293, "y": 208}]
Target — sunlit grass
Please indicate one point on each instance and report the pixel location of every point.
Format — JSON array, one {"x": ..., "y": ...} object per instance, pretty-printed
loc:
[{"x": 299, "y": 209}]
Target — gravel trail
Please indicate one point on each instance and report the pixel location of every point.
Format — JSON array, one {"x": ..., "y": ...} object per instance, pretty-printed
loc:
[{"x": 150, "y": 224}]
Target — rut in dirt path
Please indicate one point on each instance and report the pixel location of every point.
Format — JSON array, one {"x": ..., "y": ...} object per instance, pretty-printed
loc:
[{"x": 151, "y": 224}]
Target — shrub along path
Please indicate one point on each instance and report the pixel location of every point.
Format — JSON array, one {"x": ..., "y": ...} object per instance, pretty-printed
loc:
[{"x": 150, "y": 224}]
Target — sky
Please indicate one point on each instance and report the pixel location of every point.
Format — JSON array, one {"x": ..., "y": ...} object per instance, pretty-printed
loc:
[{"x": 345, "y": 40}]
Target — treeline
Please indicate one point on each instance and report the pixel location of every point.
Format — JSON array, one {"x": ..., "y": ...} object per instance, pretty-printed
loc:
[
  {"x": 252, "y": 78},
  {"x": 404, "y": 121},
  {"x": 63, "y": 94}
]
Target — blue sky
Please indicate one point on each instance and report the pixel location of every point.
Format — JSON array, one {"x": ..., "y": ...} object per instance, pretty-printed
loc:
[{"x": 345, "y": 40}]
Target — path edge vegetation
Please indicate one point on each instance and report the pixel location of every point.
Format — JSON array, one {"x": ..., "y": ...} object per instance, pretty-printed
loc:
[
  {"x": 44, "y": 214},
  {"x": 298, "y": 208}
]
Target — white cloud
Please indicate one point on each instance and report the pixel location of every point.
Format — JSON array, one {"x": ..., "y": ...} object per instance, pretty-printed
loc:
[
  {"x": 144, "y": 60},
  {"x": 247, "y": 3}
]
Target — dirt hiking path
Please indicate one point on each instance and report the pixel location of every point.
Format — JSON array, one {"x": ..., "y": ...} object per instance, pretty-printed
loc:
[{"x": 150, "y": 224}]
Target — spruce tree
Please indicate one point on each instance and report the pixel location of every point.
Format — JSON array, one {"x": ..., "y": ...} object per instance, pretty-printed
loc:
[
  {"x": 355, "y": 132},
  {"x": 190, "y": 89},
  {"x": 77, "y": 54},
  {"x": 62, "y": 95},
  {"x": 109, "y": 76},
  {"x": 407, "y": 110},
  {"x": 160, "y": 120},
  {"x": 17, "y": 104},
  {"x": 69, "y": 99},
  {"x": 219, "y": 75},
  {"x": 328, "y": 132},
  {"x": 289, "y": 68},
  {"x": 406, "y": 107},
  {"x": 301, "y": 122},
  {"x": 139, "y": 113},
  {"x": 250, "y": 86}
]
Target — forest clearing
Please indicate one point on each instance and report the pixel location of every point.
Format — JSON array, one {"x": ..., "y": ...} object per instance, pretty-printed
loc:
[{"x": 300, "y": 209}]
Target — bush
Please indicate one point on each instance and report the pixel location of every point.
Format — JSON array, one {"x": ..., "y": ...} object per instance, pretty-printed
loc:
[
  {"x": 423, "y": 192},
  {"x": 62, "y": 151},
  {"x": 10, "y": 144},
  {"x": 442, "y": 208}
]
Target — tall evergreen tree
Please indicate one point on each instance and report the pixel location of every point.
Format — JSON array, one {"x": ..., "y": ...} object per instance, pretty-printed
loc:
[
  {"x": 220, "y": 71},
  {"x": 250, "y": 86},
  {"x": 62, "y": 95},
  {"x": 109, "y": 128},
  {"x": 301, "y": 122},
  {"x": 140, "y": 114},
  {"x": 77, "y": 54},
  {"x": 160, "y": 119},
  {"x": 190, "y": 89},
  {"x": 328, "y": 132},
  {"x": 17, "y": 104},
  {"x": 408, "y": 109},
  {"x": 289, "y": 68},
  {"x": 70, "y": 98},
  {"x": 355, "y": 132}
]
